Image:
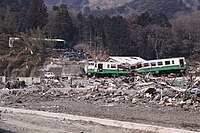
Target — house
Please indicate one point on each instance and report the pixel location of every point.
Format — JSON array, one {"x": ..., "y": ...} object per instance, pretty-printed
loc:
[{"x": 132, "y": 61}]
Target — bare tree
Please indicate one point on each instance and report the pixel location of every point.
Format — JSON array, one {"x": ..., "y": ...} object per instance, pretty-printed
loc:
[
  {"x": 158, "y": 38},
  {"x": 187, "y": 29}
]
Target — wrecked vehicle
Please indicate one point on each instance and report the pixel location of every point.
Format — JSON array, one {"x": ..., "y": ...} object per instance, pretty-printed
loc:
[{"x": 49, "y": 75}]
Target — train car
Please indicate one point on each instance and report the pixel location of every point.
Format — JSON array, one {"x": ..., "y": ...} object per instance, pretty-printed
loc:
[
  {"x": 111, "y": 68},
  {"x": 170, "y": 65},
  {"x": 106, "y": 68}
]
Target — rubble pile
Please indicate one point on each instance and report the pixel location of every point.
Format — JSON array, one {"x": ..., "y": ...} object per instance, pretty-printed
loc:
[
  {"x": 70, "y": 54},
  {"x": 147, "y": 90},
  {"x": 154, "y": 91}
]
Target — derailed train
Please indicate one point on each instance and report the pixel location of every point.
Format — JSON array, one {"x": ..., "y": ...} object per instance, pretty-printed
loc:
[{"x": 159, "y": 66}]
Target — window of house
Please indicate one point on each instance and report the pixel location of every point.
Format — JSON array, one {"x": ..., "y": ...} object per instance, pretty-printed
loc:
[
  {"x": 108, "y": 65},
  {"x": 172, "y": 61},
  {"x": 160, "y": 63},
  {"x": 153, "y": 64},
  {"x": 167, "y": 62}
]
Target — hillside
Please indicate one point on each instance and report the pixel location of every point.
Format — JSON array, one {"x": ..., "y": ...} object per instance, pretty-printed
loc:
[{"x": 102, "y": 7}]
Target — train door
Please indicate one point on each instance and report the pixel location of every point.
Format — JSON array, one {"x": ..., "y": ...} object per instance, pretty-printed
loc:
[
  {"x": 100, "y": 67},
  {"x": 181, "y": 61}
]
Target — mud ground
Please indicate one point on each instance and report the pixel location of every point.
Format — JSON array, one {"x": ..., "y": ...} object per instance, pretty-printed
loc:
[
  {"x": 152, "y": 114},
  {"x": 26, "y": 123}
]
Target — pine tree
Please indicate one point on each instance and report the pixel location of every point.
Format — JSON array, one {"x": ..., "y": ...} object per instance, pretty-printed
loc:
[
  {"x": 8, "y": 23},
  {"x": 143, "y": 19},
  {"x": 117, "y": 35},
  {"x": 63, "y": 26},
  {"x": 37, "y": 15},
  {"x": 160, "y": 19}
]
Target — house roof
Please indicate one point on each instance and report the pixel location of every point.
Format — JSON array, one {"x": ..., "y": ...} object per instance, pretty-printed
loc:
[{"x": 129, "y": 60}]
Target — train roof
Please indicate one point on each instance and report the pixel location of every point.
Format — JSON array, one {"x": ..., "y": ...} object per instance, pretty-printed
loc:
[{"x": 164, "y": 59}]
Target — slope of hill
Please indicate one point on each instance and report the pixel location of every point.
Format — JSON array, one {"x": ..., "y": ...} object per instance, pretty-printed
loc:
[{"x": 113, "y": 7}]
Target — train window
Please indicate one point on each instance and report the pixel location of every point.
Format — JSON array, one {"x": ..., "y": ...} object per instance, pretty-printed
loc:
[
  {"x": 172, "y": 61},
  {"x": 113, "y": 65},
  {"x": 92, "y": 64},
  {"x": 146, "y": 64},
  {"x": 160, "y": 63},
  {"x": 108, "y": 66},
  {"x": 153, "y": 64},
  {"x": 167, "y": 62}
]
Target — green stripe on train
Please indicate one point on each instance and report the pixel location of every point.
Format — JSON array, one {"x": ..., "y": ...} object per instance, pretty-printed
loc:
[
  {"x": 154, "y": 69},
  {"x": 90, "y": 71},
  {"x": 109, "y": 71}
]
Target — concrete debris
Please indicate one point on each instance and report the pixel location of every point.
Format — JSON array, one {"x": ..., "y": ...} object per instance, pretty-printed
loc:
[{"x": 143, "y": 90}]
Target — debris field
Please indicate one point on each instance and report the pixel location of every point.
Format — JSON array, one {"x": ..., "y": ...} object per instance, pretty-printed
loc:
[{"x": 165, "y": 101}]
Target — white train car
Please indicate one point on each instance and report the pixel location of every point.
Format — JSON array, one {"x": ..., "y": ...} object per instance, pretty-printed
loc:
[
  {"x": 170, "y": 65},
  {"x": 105, "y": 68}
]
